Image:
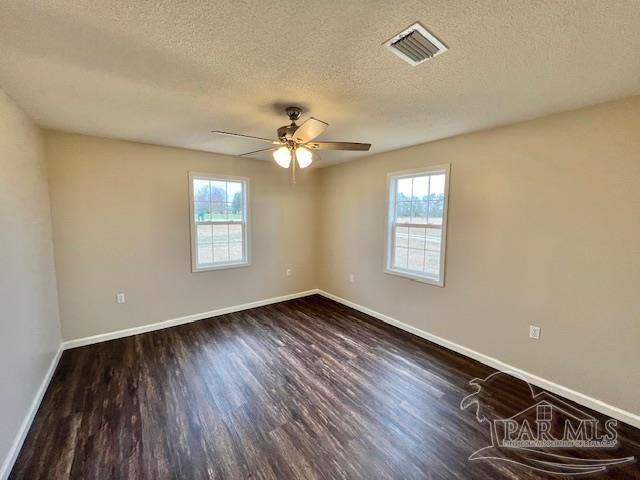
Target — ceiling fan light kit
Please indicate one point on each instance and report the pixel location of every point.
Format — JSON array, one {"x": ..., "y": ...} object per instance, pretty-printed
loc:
[
  {"x": 304, "y": 157},
  {"x": 294, "y": 141},
  {"x": 282, "y": 156}
]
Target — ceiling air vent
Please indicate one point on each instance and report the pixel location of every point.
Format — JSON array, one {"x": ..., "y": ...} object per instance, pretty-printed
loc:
[{"x": 415, "y": 45}]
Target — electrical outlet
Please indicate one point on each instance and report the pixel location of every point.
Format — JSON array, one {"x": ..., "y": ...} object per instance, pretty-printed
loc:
[
  {"x": 352, "y": 278},
  {"x": 288, "y": 272},
  {"x": 120, "y": 298},
  {"x": 534, "y": 332}
]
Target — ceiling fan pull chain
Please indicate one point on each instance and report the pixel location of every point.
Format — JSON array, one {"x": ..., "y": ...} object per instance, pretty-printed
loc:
[{"x": 294, "y": 160}]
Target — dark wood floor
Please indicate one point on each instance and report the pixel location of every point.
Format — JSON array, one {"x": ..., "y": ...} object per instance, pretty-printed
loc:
[{"x": 303, "y": 389}]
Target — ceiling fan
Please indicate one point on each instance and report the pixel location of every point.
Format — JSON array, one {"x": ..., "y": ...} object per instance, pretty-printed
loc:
[{"x": 296, "y": 141}]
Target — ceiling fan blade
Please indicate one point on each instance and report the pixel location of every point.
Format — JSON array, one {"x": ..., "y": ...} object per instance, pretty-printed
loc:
[
  {"x": 244, "y": 136},
  {"x": 339, "y": 146},
  {"x": 258, "y": 151},
  {"x": 310, "y": 129}
]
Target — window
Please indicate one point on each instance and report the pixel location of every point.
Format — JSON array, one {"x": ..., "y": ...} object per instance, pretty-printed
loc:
[
  {"x": 417, "y": 223},
  {"x": 219, "y": 227}
]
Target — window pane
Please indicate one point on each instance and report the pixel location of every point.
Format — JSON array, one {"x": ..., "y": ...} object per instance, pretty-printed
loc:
[
  {"x": 432, "y": 266},
  {"x": 436, "y": 187},
  {"x": 402, "y": 237},
  {"x": 219, "y": 212},
  {"x": 417, "y": 238},
  {"x": 416, "y": 260},
  {"x": 421, "y": 188},
  {"x": 403, "y": 190},
  {"x": 436, "y": 209},
  {"x": 234, "y": 212},
  {"x": 220, "y": 234},
  {"x": 434, "y": 239},
  {"x": 400, "y": 257},
  {"x": 221, "y": 253},
  {"x": 204, "y": 234},
  {"x": 205, "y": 254},
  {"x": 403, "y": 212},
  {"x": 419, "y": 212},
  {"x": 235, "y": 251},
  {"x": 201, "y": 190},
  {"x": 218, "y": 191},
  {"x": 235, "y": 233},
  {"x": 202, "y": 212},
  {"x": 234, "y": 192}
]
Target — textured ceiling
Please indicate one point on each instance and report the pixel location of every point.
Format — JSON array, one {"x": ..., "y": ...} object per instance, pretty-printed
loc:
[{"x": 167, "y": 72}]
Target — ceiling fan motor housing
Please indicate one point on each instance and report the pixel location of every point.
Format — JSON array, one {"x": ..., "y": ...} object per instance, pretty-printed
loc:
[{"x": 285, "y": 133}]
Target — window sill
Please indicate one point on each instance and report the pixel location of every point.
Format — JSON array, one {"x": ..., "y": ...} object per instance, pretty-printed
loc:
[
  {"x": 417, "y": 278},
  {"x": 221, "y": 266}
]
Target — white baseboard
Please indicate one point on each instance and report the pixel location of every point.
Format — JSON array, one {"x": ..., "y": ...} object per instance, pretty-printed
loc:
[
  {"x": 11, "y": 458},
  {"x": 580, "y": 398},
  {"x": 103, "y": 337}
]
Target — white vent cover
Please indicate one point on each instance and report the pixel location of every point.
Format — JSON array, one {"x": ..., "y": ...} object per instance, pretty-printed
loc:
[{"x": 415, "y": 44}]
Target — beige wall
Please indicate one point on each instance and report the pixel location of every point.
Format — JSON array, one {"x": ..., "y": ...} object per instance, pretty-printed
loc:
[
  {"x": 544, "y": 229},
  {"x": 121, "y": 224},
  {"x": 29, "y": 327}
]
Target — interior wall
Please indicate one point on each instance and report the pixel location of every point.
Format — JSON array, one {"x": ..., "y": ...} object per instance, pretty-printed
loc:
[
  {"x": 121, "y": 224},
  {"x": 544, "y": 229},
  {"x": 29, "y": 325}
]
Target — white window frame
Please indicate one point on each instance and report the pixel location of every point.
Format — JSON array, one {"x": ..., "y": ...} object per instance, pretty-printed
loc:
[
  {"x": 246, "y": 224},
  {"x": 390, "y": 224}
]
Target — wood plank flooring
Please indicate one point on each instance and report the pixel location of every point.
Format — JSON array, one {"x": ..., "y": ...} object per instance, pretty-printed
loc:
[{"x": 305, "y": 389}]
